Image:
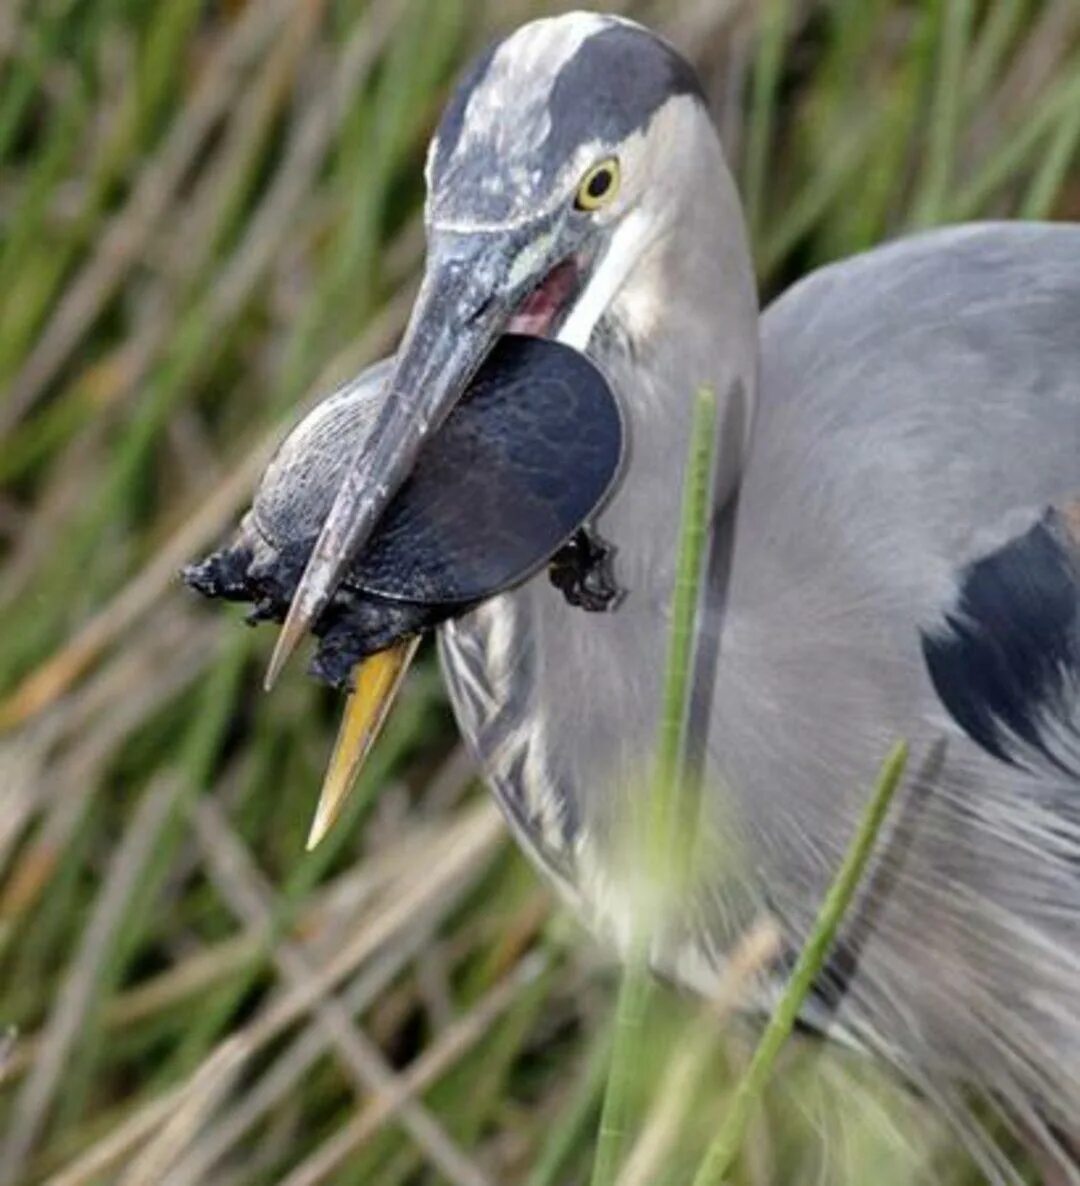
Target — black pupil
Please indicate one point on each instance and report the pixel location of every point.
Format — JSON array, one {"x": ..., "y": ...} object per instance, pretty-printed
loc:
[{"x": 599, "y": 183}]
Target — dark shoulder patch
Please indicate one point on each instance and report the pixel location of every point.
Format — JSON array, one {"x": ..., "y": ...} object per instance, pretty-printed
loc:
[
  {"x": 1006, "y": 660},
  {"x": 614, "y": 84}
]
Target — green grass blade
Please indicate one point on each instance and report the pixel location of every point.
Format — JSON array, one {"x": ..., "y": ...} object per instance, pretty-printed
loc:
[
  {"x": 661, "y": 842},
  {"x": 573, "y": 1123},
  {"x": 775, "y": 18},
  {"x": 955, "y": 33},
  {"x": 1054, "y": 170}
]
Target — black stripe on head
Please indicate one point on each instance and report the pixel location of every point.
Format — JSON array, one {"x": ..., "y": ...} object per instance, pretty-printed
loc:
[
  {"x": 1006, "y": 663},
  {"x": 615, "y": 83},
  {"x": 500, "y": 157}
]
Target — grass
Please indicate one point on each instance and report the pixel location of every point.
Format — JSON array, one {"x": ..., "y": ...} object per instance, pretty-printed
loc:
[
  {"x": 663, "y": 839},
  {"x": 210, "y": 214}
]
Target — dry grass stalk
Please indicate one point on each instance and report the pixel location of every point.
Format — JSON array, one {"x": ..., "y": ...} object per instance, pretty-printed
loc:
[{"x": 250, "y": 899}]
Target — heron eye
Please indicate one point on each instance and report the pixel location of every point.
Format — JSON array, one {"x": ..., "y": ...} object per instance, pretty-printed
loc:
[{"x": 599, "y": 186}]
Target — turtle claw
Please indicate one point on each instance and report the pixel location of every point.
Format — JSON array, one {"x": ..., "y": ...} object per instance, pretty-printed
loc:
[
  {"x": 583, "y": 571},
  {"x": 223, "y": 574},
  {"x": 357, "y": 626}
]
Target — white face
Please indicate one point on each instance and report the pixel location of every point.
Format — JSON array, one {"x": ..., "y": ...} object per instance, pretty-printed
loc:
[{"x": 644, "y": 211}]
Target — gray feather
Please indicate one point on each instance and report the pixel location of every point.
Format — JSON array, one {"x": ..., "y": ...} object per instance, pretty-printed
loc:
[{"x": 901, "y": 395}]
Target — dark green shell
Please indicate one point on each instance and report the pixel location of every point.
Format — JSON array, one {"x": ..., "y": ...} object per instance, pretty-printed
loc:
[{"x": 523, "y": 460}]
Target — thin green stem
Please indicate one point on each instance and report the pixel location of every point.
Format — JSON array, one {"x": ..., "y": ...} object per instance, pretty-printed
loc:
[
  {"x": 954, "y": 35},
  {"x": 763, "y": 104},
  {"x": 663, "y": 840},
  {"x": 575, "y": 1120},
  {"x": 1054, "y": 170},
  {"x": 1015, "y": 152},
  {"x": 630, "y": 1010},
  {"x": 671, "y": 803}
]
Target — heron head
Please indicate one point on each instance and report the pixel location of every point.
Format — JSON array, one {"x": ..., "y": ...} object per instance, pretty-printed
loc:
[
  {"x": 553, "y": 169},
  {"x": 558, "y": 163}
]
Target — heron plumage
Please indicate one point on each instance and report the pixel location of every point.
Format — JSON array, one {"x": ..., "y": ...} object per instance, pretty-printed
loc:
[
  {"x": 912, "y": 402},
  {"x": 897, "y": 476}
]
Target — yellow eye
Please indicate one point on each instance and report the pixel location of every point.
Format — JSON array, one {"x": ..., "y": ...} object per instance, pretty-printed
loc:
[{"x": 599, "y": 186}]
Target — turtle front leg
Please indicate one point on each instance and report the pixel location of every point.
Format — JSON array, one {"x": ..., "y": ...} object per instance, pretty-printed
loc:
[{"x": 583, "y": 571}]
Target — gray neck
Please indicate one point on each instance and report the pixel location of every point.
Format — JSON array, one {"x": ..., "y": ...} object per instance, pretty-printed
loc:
[
  {"x": 687, "y": 317},
  {"x": 562, "y": 704}
]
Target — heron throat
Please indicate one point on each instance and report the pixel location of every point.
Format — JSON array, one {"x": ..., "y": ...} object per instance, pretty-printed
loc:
[{"x": 674, "y": 308}]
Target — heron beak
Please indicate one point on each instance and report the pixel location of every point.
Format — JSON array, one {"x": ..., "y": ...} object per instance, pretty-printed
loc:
[
  {"x": 377, "y": 682},
  {"x": 471, "y": 288}
]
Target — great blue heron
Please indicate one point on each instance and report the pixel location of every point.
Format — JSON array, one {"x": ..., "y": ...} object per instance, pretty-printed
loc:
[{"x": 899, "y": 501}]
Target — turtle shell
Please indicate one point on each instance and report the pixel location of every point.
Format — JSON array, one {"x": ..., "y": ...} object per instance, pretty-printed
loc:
[{"x": 523, "y": 460}]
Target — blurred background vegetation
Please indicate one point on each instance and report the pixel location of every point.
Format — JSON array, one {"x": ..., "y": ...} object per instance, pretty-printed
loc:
[{"x": 210, "y": 214}]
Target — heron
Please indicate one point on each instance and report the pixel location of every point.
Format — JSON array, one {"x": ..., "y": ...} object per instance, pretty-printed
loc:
[{"x": 897, "y": 514}]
